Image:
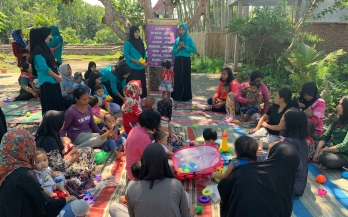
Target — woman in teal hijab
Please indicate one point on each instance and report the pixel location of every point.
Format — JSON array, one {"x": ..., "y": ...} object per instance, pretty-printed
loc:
[
  {"x": 56, "y": 44},
  {"x": 182, "y": 49}
]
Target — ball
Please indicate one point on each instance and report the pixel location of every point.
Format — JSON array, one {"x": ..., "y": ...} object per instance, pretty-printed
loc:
[
  {"x": 98, "y": 177},
  {"x": 180, "y": 170},
  {"x": 196, "y": 143},
  {"x": 192, "y": 107},
  {"x": 192, "y": 164},
  {"x": 199, "y": 209},
  {"x": 345, "y": 175},
  {"x": 27, "y": 114},
  {"x": 186, "y": 170},
  {"x": 320, "y": 178},
  {"x": 191, "y": 144},
  {"x": 194, "y": 126}
]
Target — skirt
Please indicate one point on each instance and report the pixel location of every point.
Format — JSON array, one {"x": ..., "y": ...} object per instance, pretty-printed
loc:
[
  {"x": 139, "y": 75},
  {"x": 115, "y": 98},
  {"x": 51, "y": 97},
  {"x": 182, "y": 79}
]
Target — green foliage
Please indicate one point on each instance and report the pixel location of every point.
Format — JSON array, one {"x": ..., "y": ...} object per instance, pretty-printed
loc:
[
  {"x": 70, "y": 36},
  {"x": 206, "y": 64},
  {"x": 3, "y": 20},
  {"x": 132, "y": 10},
  {"x": 106, "y": 36}
]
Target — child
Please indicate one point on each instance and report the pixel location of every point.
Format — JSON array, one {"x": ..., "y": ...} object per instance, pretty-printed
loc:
[
  {"x": 79, "y": 82},
  {"x": 98, "y": 113},
  {"x": 226, "y": 88},
  {"x": 167, "y": 80},
  {"x": 245, "y": 148},
  {"x": 309, "y": 139},
  {"x": 103, "y": 102},
  {"x": 162, "y": 138},
  {"x": 69, "y": 148},
  {"x": 111, "y": 132},
  {"x": 44, "y": 175},
  {"x": 251, "y": 109},
  {"x": 135, "y": 169},
  {"x": 149, "y": 102},
  {"x": 210, "y": 136},
  {"x": 92, "y": 67}
]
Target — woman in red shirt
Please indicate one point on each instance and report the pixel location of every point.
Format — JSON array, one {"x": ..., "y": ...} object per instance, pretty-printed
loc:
[{"x": 19, "y": 47}]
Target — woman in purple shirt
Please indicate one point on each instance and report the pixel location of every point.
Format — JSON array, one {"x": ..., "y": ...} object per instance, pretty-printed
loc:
[{"x": 79, "y": 122}]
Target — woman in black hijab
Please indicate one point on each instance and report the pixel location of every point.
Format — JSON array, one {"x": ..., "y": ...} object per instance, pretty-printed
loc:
[
  {"x": 134, "y": 50},
  {"x": 3, "y": 125},
  {"x": 309, "y": 94},
  {"x": 45, "y": 68},
  {"x": 263, "y": 189}
]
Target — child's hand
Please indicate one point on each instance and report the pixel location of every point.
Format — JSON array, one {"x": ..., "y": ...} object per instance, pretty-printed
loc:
[
  {"x": 62, "y": 189},
  {"x": 111, "y": 99},
  {"x": 175, "y": 137},
  {"x": 213, "y": 175},
  {"x": 55, "y": 173},
  {"x": 259, "y": 151},
  {"x": 53, "y": 195},
  {"x": 170, "y": 148}
]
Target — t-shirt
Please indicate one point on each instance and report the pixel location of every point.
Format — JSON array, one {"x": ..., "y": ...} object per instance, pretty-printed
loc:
[
  {"x": 274, "y": 117},
  {"x": 167, "y": 75},
  {"x": 165, "y": 148}
]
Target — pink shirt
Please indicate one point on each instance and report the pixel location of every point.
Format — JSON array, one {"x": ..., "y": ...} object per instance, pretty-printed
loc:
[
  {"x": 138, "y": 139},
  {"x": 240, "y": 97},
  {"x": 318, "y": 108}
]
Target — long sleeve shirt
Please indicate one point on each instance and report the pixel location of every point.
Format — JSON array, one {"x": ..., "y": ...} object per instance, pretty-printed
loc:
[
  {"x": 318, "y": 108},
  {"x": 55, "y": 41},
  {"x": 234, "y": 88},
  {"x": 185, "y": 52},
  {"x": 107, "y": 75},
  {"x": 43, "y": 70},
  {"x": 240, "y": 97},
  {"x": 130, "y": 53}
]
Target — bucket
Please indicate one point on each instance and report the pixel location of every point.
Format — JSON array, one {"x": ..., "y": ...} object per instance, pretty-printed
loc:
[{"x": 4, "y": 70}]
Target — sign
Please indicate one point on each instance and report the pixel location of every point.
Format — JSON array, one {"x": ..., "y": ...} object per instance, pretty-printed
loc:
[{"x": 161, "y": 34}]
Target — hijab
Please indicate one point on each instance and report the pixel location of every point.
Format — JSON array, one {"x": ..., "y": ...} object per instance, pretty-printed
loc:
[
  {"x": 38, "y": 46},
  {"x": 262, "y": 188},
  {"x": 26, "y": 74},
  {"x": 68, "y": 80},
  {"x": 138, "y": 44},
  {"x": 52, "y": 122},
  {"x": 17, "y": 150},
  {"x": 164, "y": 107},
  {"x": 3, "y": 125},
  {"x": 154, "y": 164},
  {"x": 121, "y": 69},
  {"x": 311, "y": 89},
  {"x": 16, "y": 35},
  {"x": 132, "y": 92},
  {"x": 185, "y": 37}
]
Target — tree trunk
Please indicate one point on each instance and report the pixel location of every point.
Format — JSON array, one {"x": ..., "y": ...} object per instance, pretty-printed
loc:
[
  {"x": 215, "y": 14},
  {"x": 185, "y": 9},
  {"x": 149, "y": 14},
  {"x": 200, "y": 10},
  {"x": 169, "y": 8},
  {"x": 209, "y": 26},
  {"x": 298, "y": 10},
  {"x": 223, "y": 16}
]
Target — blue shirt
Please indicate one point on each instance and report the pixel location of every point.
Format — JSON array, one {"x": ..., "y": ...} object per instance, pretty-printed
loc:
[
  {"x": 42, "y": 70},
  {"x": 130, "y": 53},
  {"x": 185, "y": 52},
  {"x": 107, "y": 75}
]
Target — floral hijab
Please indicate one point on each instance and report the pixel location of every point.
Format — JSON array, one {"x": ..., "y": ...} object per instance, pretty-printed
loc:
[
  {"x": 17, "y": 150},
  {"x": 132, "y": 92}
]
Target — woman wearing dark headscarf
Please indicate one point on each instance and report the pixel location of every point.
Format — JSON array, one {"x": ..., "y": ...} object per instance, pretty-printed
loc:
[
  {"x": 263, "y": 189},
  {"x": 46, "y": 69},
  {"x": 157, "y": 187},
  {"x": 3, "y": 125},
  {"x": 314, "y": 106},
  {"x": 182, "y": 49},
  {"x": 56, "y": 44},
  {"x": 133, "y": 50},
  {"x": 114, "y": 79},
  {"x": 19, "y": 47}
]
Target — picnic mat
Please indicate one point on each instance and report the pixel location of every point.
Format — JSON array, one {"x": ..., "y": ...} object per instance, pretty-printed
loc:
[{"x": 16, "y": 112}]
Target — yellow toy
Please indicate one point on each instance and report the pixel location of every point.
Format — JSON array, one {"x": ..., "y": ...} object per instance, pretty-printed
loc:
[
  {"x": 224, "y": 147},
  {"x": 107, "y": 99},
  {"x": 143, "y": 61}
]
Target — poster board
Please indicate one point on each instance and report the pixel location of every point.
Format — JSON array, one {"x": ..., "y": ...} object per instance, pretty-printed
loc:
[{"x": 161, "y": 34}]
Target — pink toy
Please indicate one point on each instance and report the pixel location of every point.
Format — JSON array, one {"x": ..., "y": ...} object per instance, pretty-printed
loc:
[
  {"x": 322, "y": 192},
  {"x": 89, "y": 198},
  {"x": 98, "y": 177}
]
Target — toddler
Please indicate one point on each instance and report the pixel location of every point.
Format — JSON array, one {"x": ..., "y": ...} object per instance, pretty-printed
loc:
[
  {"x": 309, "y": 139},
  {"x": 226, "y": 88},
  {"x": 98, "y": 113},
  {"x": 111, "y": 132},
  {"x": 149, "y": 102},
  {"x": 103, "y": 102},
  {"x": 210, "y": 136},
  {"x": 246, "y": 149},
  {"x": 45, "y": 175},
  {"x": 162, "y": 138},
  {"x": 79, "y": 82},
  {"x": 135, "y": 170},
  {"x": 167, "y": 80},
  {"x": 251, "y": 109}
]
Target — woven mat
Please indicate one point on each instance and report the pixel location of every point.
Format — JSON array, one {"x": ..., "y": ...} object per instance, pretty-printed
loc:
[{"x": 15, "y": 112}]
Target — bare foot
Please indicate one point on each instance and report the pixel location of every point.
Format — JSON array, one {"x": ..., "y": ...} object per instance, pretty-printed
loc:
[{"x": 118, "y": 155}]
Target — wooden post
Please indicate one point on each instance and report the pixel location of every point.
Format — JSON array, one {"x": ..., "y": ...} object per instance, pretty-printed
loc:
[
  {"x": 236, "y": 44},
  {"x": 228, "y": 35}
]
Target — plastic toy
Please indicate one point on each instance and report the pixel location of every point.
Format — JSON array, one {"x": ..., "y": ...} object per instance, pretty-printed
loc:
[
  {"x": 7, "y": 100},
  {"x": 191, "y": 144},
  {"x": 192, "y": 107},
  {"x": 204, "y": 199},
  {"x": 192, "y": 164},
  {"x": 98, "y": 177},
  {"x": 180, "y": 170},
  {"x": 224, "y": 147},
  {"x": 196, "y": 143},
  {"x": 320, "y": 178},
  {"x": 100, "y": 157},
  {"x": 345, "y": 175},
  {"x": 107, "y": 99},
  {"x": 199, "y": 209},
  {"x": 27, "y": 114},
  {"x": 89, "y": 198},
  {"x": 143, "y": 61},
  {"x": 194, "y": 126},
  {"x": 87, "y": 192},
  {"x": 222, "y": 171},
  {"x": 207, "y": 191},
  {"x": 322, "y": 192}
]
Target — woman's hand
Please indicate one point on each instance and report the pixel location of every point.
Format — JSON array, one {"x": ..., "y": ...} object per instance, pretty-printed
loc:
[
  {"x": 253, "y": 130},
  {"x": 182, "y": 44},
  {"x": 73, "y": 156},
  {"x": 264, "y": 124},
  {"x": 213, "y": 101},
  {"x": 34, "y": 94},
  {"x": 219, "y": 105},
  {"x": 301, "y": 105},
  {"x": 193, "y": 210},
  {"x": 68, "y": 199},
  {"x": 136, "y": 62},
  {"x": 70, "y": 91},
  {"x": 316, "y": 155},
  {"x": 58, "y": 78},
  {"x": 322, "y": 167}
]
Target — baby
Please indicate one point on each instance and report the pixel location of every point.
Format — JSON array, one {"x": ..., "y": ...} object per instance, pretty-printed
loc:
[
  {"x": 162, "y": 138},
  {"x": 45, "y": 175},
  {"x": 79, "y": 82},
  {"x": 103, "y": 101},
  {"x": 210, "y": 136},
  {"x": 98, "y": 113},
  {"x": 251, "y": 109},
  {"x": 69, "y": 148},
  {"x": 226, "y": 88},
  {"x": 149, "y": 102},
  {"x": 135, "y": 169}
]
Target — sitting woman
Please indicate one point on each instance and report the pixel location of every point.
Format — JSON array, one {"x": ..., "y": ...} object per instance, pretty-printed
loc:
[
  {"x": 268, "y": 132},
  {"x": 27, "y": 91},
  {"x": 79, "y": 122},
  {"x": 47, "y": 137},
  {"x": 314, "y": 106},
  {"x": 95, "y": 78},
  {"x": 334, "y": 155},
  {"x": 66, "y": 85}
]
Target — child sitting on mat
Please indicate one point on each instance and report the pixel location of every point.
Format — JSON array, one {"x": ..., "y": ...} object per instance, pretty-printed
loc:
[
  {"x": 162, "y": 139},
  {"x": 135, "y": 169},
  {"x": 250, "y": 93},
  {"x": 210, "y": 136},
  {"x": 98, "y": 113},
  {"x": 246, "y": 149},
  {"x": 149, "y": 102},
  {"x": 103, "y": 101}
]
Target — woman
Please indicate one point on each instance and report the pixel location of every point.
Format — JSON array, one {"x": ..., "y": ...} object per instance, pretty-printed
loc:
[
  {"x": 157, "y": 187},
  {"x": 138, "y": 138},
  {"x": 95, "y": 78},
  {"x": 45, "y": 68},
  {"x": 26, "y": 80},
  {"x": 19, "y": 47},
  {"x": 262, "y": 189},
  {"x": 66, "y": 85},
  {"x": 56, "y": 44},
  {"x": 314, "y": 106},
  {"x": 92, "y": 67},
  {"x": 295, "y": 133},
  {"x": 3, "y": 125},
  {"x": 334, "y": 155},
  {"x": 47, "y": 137},
  {"x": 79, "y": 122},
  {"x": 226, "y": 77},
  {"x": 134, "y": 50},
  {"x": 269, "y": 131},
  {"x": 114, "y": 79},
  {"x": 182, "y": 49},
  {"x": 20, "y": 191}
]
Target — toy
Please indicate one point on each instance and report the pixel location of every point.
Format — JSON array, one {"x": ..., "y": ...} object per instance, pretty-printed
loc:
[
  {"x": 89, "y": 198},
  {"x": 143, "y": 61},
  {"x": 320, "y": 178},
  {"x": 98, "y": 177},
  {"x": 100, "y": 157},
  {"x": 345, "y": 175},
  {"x": 207, "y": 191},
  {"x": 224, "y": 147},
  {"x": 204, "y": 199},
  {"x": 194, "y": 126},
  {"x": 7, "y": 100},
  {"x": 107, "y": 99},
  {"x": 222, "y": 171},
  {"x": 322, "y": 192},
  {"x": 199, "y": 209},
  {"x": 124, "y": 134},
  {"x": 121, "y": 164},
  {"x": 196, "y": 143},
  {"x": 27, "y": 114},
  {"x": 87, "y": 192},
  {"x": 191, "y": 143},
  {"x": 180, "y": 170},
  {"x": 192, "y": 107}
]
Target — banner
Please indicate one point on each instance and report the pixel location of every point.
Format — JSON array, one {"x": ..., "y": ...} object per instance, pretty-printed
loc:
[{"x": 161, "y": 34}]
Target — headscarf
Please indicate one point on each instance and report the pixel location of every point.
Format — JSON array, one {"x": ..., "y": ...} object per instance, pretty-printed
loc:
[
  {"x": 121, "y": 69},
  {"x": 164, "y": 107},
  {"x": 138, "y": 44},
  {"x": 265, "y": 188},
  {"x": 52, "y": 122},
  {"x": 132, "y": 92},
  {"x": 89, "y": 70},
  {"x": 311, "y": 89},
  {"x": 3, "y": 125},
  {"x": 185, "y": 36},
  {"x": 16, "y": 35},
  {"x": 17, "y": 150},
  {"x": 154, "y": 164},
  {"x": 26, "y": 75},
  {"x": 55, "y": 32},
  {"x": 68, "y": 80},
  {"x": 38, "y": 46}
]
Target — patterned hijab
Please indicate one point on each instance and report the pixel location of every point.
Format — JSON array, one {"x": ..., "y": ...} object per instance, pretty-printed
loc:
[
  {"x": 17, "y": 150},
  {"x": 132, "y": 92},
  {"x": 164, "y": 107}
]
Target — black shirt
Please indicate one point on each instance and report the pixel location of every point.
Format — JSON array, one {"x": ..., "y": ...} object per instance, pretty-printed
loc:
[{"x": 274, "y": 117}]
